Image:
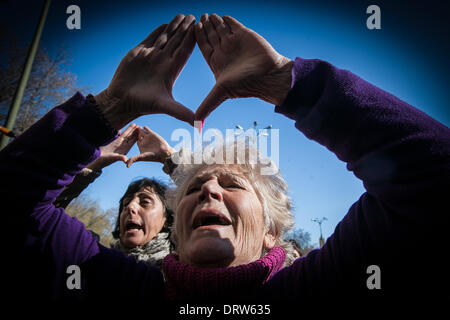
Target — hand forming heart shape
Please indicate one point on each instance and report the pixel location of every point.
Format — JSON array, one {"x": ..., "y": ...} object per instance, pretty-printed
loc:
[{"x": 244, "y": 65}]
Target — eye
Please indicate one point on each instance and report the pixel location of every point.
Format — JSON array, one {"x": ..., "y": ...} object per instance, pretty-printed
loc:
[
  {"x": 146, "y": 202},
  {"x": 234, "y": 186},
  {"x": 193, "y": 189}
]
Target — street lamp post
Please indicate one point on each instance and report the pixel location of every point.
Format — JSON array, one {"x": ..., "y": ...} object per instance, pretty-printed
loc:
[
  {"x": 319, "y": 221},
  {"x": 255, "y": 124},
  {"x": 15, "y": 105}
]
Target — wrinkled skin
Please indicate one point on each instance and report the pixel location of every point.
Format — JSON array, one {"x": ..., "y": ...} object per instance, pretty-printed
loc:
[
  {"x": 116, "y": 150},
  {"x": 145, "y": 209},
  {"x": 143, "y": 82},
  {"x": 152, "y": 147},
  {"x": 221, "y": 188},
  {"x": 244, "y": 64}
]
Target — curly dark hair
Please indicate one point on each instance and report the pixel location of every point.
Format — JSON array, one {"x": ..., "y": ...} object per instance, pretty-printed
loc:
[{"x": 159, "y": 188}]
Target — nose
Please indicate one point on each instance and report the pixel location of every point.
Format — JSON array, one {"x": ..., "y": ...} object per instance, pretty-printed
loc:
[
  {"x": 210, "y": 190},
  {"x": 132, "y": 206}
]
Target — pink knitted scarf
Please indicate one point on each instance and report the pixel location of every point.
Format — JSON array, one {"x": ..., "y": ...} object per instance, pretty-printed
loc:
[{"x": 185, "y": 282}]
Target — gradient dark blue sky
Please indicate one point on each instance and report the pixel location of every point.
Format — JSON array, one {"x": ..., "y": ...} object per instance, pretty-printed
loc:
[{"x": 407, "y": 57}]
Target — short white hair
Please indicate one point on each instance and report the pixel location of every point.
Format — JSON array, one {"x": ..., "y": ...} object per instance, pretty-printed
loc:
[{"x": 271, "y": 189}]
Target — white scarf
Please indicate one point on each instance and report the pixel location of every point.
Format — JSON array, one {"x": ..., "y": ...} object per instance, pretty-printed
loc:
[{"x": 153, "y": 252}]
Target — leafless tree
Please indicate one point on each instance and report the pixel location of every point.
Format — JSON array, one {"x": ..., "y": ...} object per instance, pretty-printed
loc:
[
  {"x": 303, "y": 239},
  {"x": 93, "y": 217},
  {"x": 49, "y": 83}
]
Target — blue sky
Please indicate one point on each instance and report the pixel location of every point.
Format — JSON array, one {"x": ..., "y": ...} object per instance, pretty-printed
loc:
[{"x": 407, "y": 58}]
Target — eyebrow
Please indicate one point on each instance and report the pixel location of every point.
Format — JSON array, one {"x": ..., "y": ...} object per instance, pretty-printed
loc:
[
  {"x": 205, "y": 177},
  {"x": 140, "y": 194},
  {"x": 236, "y": 177}
]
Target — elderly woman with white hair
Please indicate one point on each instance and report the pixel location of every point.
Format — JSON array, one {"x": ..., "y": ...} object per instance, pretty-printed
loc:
[{"x": 229, "y": 218}]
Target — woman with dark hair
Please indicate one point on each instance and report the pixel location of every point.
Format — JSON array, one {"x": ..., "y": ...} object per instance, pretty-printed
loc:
[{"x": 143, "y": 223}]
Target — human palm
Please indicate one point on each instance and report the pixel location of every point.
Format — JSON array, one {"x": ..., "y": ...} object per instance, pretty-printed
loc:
[
  {"x": 242, "y": 61},
  {"x": 142, "y": 84},
  {"x": 244, "y": 64},
  {"x": 117, "y": 149},
  {"x": 152, "y": 147}
]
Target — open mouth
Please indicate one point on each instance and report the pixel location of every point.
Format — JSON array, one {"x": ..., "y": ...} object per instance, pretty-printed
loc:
[
  {"x": 133, "y": 226},
  {"x": 210, "y": 219}
]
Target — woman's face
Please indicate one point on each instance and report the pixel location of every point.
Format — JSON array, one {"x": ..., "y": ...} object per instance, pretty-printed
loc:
[
  {"x": 220, "y": 220},
  {"x": 142, "y": 218}
]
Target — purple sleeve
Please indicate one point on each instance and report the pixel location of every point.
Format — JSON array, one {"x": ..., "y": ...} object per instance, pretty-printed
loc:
[
  {"x": 34, "y": 169},
  {"x": 402, "y": 156}
]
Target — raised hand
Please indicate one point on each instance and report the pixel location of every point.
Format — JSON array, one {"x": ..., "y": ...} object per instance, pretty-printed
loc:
[
  {"x": 244, "y": 64},
  {"x": 152, "y": 147},
  {"x": 116, "y": 150},
  {"x": 142, "y": 84}
]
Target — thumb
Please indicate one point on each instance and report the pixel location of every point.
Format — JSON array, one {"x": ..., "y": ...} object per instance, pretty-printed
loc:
[
  {"x": 215, "y": 97},
  {"x": 233, "y": 23},
  {"x": 113, "y": 157},
  {"x": 131, "y": 161},
  {"x": 179, "y": 111},
  {"x": 119, "y": 157},
  {"x": 147, "y": 156}
]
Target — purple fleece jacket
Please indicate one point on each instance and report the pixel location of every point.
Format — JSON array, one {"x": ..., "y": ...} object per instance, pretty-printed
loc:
[{"x": 398, "y": 224}]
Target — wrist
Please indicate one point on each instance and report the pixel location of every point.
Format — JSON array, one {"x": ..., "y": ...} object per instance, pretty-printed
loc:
[
  {"x": 278, "y": 82},
  {"x": 169, "y": 164},
  {"x": 166, "y": 154},
  {"x": 96, "y": 165},
  {"x": 113, "y": 110}
]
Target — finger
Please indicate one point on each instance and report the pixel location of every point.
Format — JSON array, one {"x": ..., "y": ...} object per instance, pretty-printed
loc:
[
  {"x": 219, "y": 25},
  {"x": 131, "y": 137},
  {"x": 130, "y": 162},
  {"x": 118, "y": 157},
  {"x": 173, "y": 25},
  {"x": 140, "y": 137},
  {"x": 141, "y": 132},
  {"x": 170, "y": 29},
  {"x": 147, "y": 156},
  {"x": 133, "y": 159},
  {"x": 211, "y": 32},
  {"x": 179, "y": 111},
  {"x": 215, "y": 97},
  {"x": 128, "y": 131},
  {"x": 149, "y": 131},
  {"x": 174, "y": 42},
  {"x": 150, "y": 40},
  {"x": 233, "y": 24},
  {"x": 202, "y": 41},
  {"x": 184, "y": 51}
]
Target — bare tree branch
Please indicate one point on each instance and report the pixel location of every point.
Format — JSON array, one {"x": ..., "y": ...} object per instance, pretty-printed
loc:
[{"x": 49, "y": 83}]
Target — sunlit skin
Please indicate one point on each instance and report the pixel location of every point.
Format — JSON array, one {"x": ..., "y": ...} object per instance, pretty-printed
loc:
[
  {"x": 145, "y": 209},
  {"x": 221, "y": 189}
]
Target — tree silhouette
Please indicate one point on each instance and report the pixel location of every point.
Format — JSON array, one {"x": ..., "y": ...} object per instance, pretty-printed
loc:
[{"x": 49, "y": 84}]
